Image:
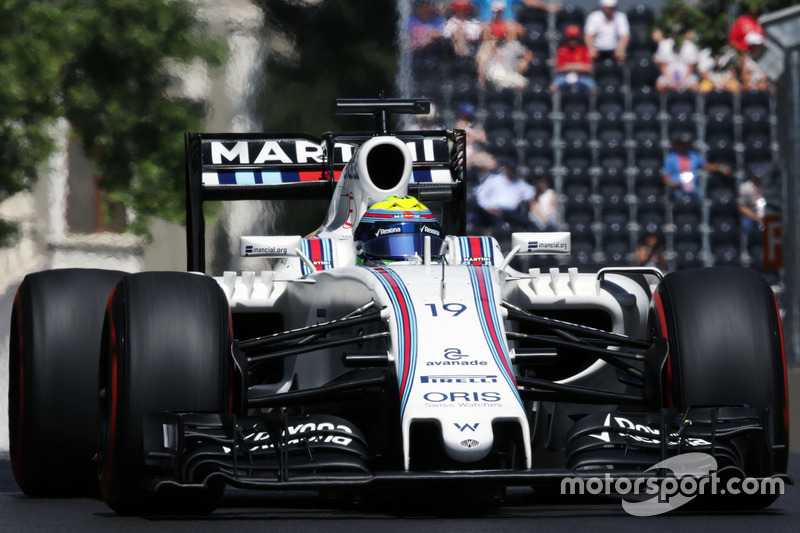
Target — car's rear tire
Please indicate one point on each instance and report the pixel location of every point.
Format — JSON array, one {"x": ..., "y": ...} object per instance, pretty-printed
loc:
[
  {"x": 166, "y": 347},
  {"x": 56, "y": 324},
  {"x": 726, "y": 348}
]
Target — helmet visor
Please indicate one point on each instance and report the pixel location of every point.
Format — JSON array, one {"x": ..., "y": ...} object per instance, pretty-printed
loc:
[{"x": 402, "y": 245}]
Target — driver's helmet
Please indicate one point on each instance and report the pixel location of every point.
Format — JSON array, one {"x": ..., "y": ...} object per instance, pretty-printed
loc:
[{"x": 394, "y": 229}]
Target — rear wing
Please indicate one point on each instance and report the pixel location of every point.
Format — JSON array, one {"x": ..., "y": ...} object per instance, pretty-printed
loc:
[{"x": 284, "y": 166}]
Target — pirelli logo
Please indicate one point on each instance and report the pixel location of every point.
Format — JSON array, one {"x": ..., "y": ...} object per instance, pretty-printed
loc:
[{"x": 458, "y": 379}]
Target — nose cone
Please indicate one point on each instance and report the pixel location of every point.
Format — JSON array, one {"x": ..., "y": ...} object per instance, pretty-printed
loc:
[{"x": 467, "y": 440}]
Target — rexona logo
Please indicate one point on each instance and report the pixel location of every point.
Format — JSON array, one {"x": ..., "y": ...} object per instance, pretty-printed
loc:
[
  {"x": 458, "y": 379},
  {"x": 277, "y": 250},
  {"x": 453, "y": 356},
  {"x": 544, "y": 245},
  {"x": 384, "y": 231},
  {"x": 426, "y": 229}
]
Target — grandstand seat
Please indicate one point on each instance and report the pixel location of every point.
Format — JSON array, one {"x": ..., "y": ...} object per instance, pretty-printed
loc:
[
  {"x": 720, "y": 150},
  {"x": 499, "y": 116},
  {"x": 613, "y": 159},
  {"x": 682, "y": 124},
  {"x": 536, "y": 103},
  {"x": 575, "y": 127},
  {"x": 501, "y": 95},
  {"x": 612, "y": 192},
  {"x": 465, "y": 89},
  {"x": 644, "y": 73},
  {"x": 608, "y": 73},
  {"x": 540, "y": 49},
  {"x": 719, "y": 101},
  {"x": 686, "y": 216},
  {"x": 640, "y": 50},
  {"x": 526, "y": 15},
  {"x": 611, "y": 136},
  {"x": 539, "y": 161},
  {"x": 726, "y": 255},
  {"x": 757, "y": 148},
  {"x": 569, "y": 15},
  {"x": 538, "y": 136},
  {"x": 575, "y": 101},
  {"x": 721, "y": 190},
  {"x": 651, "y": 216},
  {"x": 753, "y": 120},
  {"x": 719, "y": 122},
  {"x": 723, "y": 221},
  {"x": 645, "y": 100},
  {"x": 610, "y": 100},
  {"x": 688, "y": 252},
  {"x": 648, "y": 144},
  {"x": 463, "y": 65},
  {"x": 539, "y": 78},
  {"x": 577, "y": 186},
  {"x": 577, "y": 155},
  {"x": 500, "y": 142},
  {"x": 616, "y": 251},
  {"x": 615, "y": 220},
  {"x": 681, "y": 101},
  {"x": 640, "y": 14},
  {"x": 754, "y": 101},
  {"x": 582, "y": 251},
  {"x": 579, "y": 216},
  {"x": 649, "y": 187}
]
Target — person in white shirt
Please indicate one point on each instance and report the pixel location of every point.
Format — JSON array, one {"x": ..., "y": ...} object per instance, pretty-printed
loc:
[
  {"x": 501, "y": 196},
  {"x": 607, "y": 32},
  {"x": 678, "y": 69}
]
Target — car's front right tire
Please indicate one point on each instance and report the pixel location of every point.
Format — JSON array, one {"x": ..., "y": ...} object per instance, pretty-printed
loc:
[{"x": 166, "y": 347}]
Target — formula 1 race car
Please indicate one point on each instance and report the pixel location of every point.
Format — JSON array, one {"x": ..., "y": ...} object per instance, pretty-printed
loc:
[{"x": 384, "y": 350}]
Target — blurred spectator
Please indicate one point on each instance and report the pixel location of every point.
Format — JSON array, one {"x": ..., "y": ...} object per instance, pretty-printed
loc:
[
  {"x": 681, "y": 166},
  {"x": 500, "y": 18},
  {"x": 502, "y": 60},
  {"x": 544, "y": 212},
  {"x": 477, "y": 156},
  {"x": 425, "y": 26},
  {"x": 463, "y": 29},
  {"x": 573, "y": 64},
  {"x": 508, "y": 9},
  {"x": 607, "y": 32},
  {"x": 651, "y": 251},
  {"x": 677, "y": 68},
  {"x": 752, "y": 75},
  {"x": 751, "y": 198},
  {"x": 546, "y": 5},
  {"x": 745, "y": 24},
  {"x": 717, "y": 72},
  {"x": 429, "y": 121},
  {"x": 504, "y": 198}
]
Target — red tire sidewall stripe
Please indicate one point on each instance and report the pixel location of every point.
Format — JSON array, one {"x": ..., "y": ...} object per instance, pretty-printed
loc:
[
  {"x": 662, "y": 322},
  {"x": 16, "y": 462},
  {"x": 112, "y": 408},
  {"x": 783, "y": 368}
]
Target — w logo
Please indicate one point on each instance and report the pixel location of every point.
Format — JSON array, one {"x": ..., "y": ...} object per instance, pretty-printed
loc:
[{"x": 471, "y": 427}]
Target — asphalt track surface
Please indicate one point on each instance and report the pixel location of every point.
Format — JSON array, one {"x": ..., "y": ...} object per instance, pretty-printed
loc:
[{"x": 308, "y": 511}]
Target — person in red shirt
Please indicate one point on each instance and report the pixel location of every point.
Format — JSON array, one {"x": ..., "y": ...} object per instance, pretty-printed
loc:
[
  {"x": 573, "y": 64},
  {"x": 744, "y": 24}
]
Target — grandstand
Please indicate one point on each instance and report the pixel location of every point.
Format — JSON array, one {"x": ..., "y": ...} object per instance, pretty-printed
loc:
[{"x": 605, "y": 150}]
